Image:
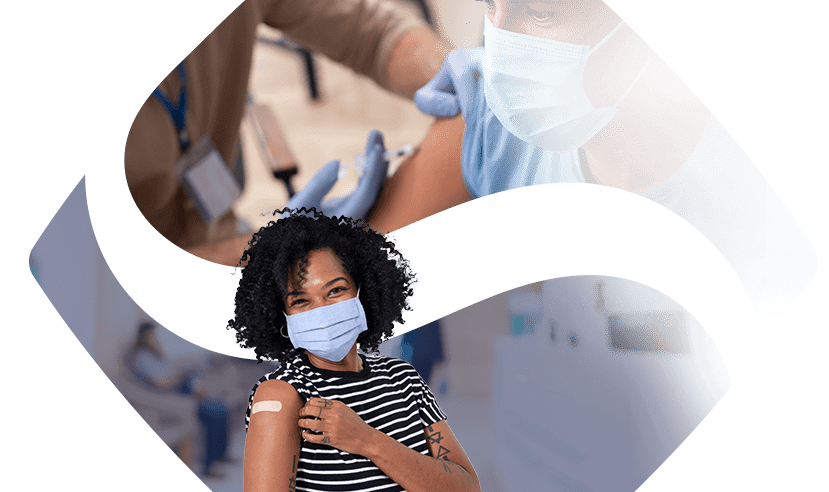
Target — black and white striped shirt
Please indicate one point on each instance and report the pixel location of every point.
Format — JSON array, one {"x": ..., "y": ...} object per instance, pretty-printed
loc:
[{"x": 387, "y": 394}]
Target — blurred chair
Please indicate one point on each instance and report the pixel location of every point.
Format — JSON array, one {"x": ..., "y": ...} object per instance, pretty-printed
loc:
[
  {"x": 173, "y": 416},
  {"x": 306, "y": 56},
  {"x": 272, "y": 145}
]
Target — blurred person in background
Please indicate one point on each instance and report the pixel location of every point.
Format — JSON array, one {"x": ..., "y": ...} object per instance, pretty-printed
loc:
[
  {"x": 192, "y": 120},
  {"x": 148, "y": 362},
  {"x": 423, "y": 349}
]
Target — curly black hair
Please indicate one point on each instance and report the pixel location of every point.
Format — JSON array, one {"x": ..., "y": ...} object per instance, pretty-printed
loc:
[{"x": 371, "y": 259}]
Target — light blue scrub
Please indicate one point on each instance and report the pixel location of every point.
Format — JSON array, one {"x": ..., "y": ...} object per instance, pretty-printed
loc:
[{"x": 718, "y": 190}]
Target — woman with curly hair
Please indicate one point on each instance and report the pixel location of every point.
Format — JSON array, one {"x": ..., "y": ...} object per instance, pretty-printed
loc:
[{"x": 331, "y": 418}]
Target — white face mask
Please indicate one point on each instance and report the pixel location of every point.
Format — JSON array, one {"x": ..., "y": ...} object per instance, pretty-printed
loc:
[
  {"x": 535, "y": 87},
  {"x": 328, "y": 331}
]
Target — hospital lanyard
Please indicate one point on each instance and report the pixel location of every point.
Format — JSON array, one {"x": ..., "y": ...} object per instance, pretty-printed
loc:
[{"x": 178, "y": 114}]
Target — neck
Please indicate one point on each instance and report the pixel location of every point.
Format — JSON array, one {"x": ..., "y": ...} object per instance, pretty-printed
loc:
[
  {"x": 351, "y": 362},
  {"x": 659, "y": 121}
]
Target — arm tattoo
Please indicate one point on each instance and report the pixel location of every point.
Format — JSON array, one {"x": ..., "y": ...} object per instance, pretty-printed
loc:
[
  {"x": 292, "y": 479},
  {"x": 435, "y": 438}
]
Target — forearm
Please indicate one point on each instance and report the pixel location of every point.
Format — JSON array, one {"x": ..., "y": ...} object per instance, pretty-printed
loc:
[
  {"x": 415, "y": 59},
  {"x": 416, "y": 472},
  {"x": 226, "y": 252}
]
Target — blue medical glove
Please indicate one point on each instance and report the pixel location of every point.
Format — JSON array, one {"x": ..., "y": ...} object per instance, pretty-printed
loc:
[
  {"x": 359, "y": 202},
  {"x": 451, "y": 90}
]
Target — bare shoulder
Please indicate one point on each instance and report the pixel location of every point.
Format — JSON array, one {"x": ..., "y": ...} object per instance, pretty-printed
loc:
[
  {"x": 273, "y": 440},
  {"x": 276, "y": 390},
  {"x": 426, "y": 183},
  {"x": 275, "y": 404}
]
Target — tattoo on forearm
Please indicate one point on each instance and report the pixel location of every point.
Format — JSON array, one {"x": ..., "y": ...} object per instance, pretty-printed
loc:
[
  {"x": 445, "y": 464},
  {"x": 292, "y": 480},
  {"x": 435, "y": 438}
]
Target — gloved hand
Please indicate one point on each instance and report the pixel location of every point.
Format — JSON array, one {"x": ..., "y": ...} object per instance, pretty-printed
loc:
[
  {"x": 359, "y": 202},
  {"x": 451, "y": 90}
]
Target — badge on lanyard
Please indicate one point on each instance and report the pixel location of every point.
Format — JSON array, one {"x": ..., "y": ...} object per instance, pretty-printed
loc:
[
  {"x": 201, "y": 169},
  {"x": 207, "y": 180}
]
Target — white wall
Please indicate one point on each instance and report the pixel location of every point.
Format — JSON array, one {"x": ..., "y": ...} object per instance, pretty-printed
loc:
[{"x": 468, "y": 337}]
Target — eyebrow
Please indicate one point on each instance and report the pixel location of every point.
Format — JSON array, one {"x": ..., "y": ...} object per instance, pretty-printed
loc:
[{"x": 328, "y": 284}]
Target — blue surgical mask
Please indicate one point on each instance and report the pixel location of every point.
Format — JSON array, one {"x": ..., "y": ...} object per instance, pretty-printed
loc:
[
  {"x": 535, "y": 87},
  {"x": 328, "y": 331}
]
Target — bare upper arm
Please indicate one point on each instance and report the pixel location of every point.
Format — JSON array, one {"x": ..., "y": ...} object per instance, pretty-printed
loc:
[
  {"x": 273, "y": 439},
  {"x": 443, "y": 445},
  {"x": 427, "y": 183}
]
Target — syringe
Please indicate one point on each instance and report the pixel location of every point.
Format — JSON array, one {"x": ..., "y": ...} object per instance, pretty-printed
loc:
[{"x": 360, "y": 160}]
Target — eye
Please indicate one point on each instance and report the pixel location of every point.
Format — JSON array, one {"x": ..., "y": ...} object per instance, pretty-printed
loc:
[
  {"x": 296, "y": 302},
  {"x": 540, "y": 16},
  {"x": 337, "y": 290}
]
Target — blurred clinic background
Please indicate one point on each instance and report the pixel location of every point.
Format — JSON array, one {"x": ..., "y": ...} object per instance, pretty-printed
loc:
[
  {"x": 292, "y": 108},
  {"x": 579, "y": 383}
]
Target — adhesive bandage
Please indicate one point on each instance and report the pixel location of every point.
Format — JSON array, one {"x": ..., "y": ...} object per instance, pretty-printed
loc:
[{"x": 267, "y": 406}]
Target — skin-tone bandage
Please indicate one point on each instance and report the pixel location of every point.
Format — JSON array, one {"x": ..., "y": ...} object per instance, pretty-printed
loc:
[{"x": 267, "y": 406}]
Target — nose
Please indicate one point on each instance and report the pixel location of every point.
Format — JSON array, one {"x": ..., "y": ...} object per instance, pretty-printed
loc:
[{"x": 507, "y": 20}]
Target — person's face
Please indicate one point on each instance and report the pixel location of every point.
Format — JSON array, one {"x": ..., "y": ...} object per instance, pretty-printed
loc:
[
  {"x": 324, "y": 282},
  {"x": 539, "y": 18}
]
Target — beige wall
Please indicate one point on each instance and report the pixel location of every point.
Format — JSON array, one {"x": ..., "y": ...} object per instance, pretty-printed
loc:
[{"x": 469, "y": 337}]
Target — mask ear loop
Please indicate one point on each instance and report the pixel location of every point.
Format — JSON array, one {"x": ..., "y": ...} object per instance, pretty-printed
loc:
[{"x": 611, "y": 33}]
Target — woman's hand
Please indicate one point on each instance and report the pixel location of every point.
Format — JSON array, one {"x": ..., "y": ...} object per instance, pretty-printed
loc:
[{"x": 341, "y": 427}]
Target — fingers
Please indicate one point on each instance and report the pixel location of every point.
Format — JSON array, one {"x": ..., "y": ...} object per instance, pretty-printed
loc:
[
  {"x": 317, "y": 187},
  {"x": 358, "y": 203},
  {"x": 321, "y": 183},
  {"x": 314, "y": 407},
  {"x": 435, "y": 103},
  {"x": 467, "y": 76},
  {"x": 436, "y": 98},
  {"x": 317, "y": 425},
  {"x": 374, "y": 139}
]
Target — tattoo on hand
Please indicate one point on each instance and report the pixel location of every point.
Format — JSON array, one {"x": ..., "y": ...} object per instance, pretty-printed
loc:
[
  {"x": 326, "y": 403},
  {"x": 326, "y": 439}
]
